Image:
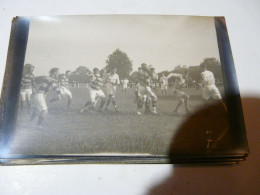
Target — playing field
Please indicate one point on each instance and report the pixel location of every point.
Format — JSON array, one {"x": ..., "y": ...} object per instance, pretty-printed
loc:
[{"x": 66, "y": 131}]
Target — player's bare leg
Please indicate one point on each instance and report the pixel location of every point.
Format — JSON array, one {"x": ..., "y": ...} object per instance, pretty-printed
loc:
[
  {"x": 69, "y": 102},
  {"x": 139, "y": 105},
  {"x": 177, "y": 107},
  {"x": 114, "y": 102},
  {"x": 147, "y": 104},
  {"x": 42, "y": 117},
  {"x": 86, "y": 106},
  {"x": 108, "y": 101},
  {"x": 154, "y": 102},
  {"x": 102, "y": 103},
  {"x": 136, "y": 96},
  {"x": 186, "y": 103}
]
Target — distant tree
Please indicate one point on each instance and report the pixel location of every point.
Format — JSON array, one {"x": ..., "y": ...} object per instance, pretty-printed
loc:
[
  {"x": 82, "y": 70},
  {"x": 213, "y": 65},
  {"x": 80, "y": 75},
  {"x": 179, "y": 68},
  {"x": 121, "y": 62},
  {"x": 134, "y": 77}
]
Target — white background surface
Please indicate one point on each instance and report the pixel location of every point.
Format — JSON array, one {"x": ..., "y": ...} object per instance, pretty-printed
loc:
[{"x": 243, "y": 21}]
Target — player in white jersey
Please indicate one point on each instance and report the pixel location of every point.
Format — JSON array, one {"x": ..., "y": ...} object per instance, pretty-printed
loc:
[
  {"x": 209, "y": 89},
  {"x": 63, "y": 90},
  {"x": 182, "y": 97},
  {"x": 112, "y": 80},
  {"x": 164, "y": 84},
  {"x": 125, "y": 85}
]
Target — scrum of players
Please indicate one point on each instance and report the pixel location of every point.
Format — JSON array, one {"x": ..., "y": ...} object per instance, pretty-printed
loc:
[{"x": 145, "y": 96}]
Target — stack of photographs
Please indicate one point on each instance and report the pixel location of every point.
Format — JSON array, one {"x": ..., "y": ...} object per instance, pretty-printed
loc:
[{"x": 120, "y": 89}]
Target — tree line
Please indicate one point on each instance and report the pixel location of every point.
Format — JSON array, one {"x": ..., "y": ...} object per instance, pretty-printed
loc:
[{"x": 119, "y": 60}]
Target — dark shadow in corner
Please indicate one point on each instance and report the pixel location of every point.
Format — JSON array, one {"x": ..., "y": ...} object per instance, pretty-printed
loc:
[{"x": 242, "y": 178}]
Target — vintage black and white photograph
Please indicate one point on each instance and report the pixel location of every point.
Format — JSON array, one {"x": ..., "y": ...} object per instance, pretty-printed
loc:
[{"x": 116, "y": 84}]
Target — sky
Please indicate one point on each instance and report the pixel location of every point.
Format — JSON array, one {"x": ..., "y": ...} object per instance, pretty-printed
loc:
[{"x": 164, "y": 42}]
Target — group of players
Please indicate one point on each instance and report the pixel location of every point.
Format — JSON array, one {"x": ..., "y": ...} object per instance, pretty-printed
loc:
[{"x": 144, "y": 95}]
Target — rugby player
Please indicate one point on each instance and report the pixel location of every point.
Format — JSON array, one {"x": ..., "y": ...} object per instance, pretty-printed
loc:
[
  {"x": 209, "y": 89},
  {"x": 63, "y": 91},
  {"x": 95, "y": 91},
  {"x": 144, "y": 92},
  {"x": 125, "y": 85},
  {"x": 164, "y": 84},
  {"x": 40, "y": 106},
  {"x": 112, "y": 80},
  {"x": 27, "y": 86},
  {"x": 182, "y": 97}
]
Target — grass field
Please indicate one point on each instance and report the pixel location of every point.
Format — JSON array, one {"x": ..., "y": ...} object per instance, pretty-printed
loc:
[{"x": 69, "y": 132}]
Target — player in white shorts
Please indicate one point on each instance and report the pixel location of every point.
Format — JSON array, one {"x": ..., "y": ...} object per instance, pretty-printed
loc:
[
  {"x": 95, "y": 92},
  {"x": 112, "y": 80},
  {"x": 209, "y": 88},
  {"x": 63, "y": 91},
  {"x": 164, "y": 84},
  {"x": 125, "y": 85},
  {"x": 39, "y": 100},
  {"x": 182, "y": 97},
  {"x": 27, "y": 86}
]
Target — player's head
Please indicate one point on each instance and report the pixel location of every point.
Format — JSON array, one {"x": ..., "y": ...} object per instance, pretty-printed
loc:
[
  {"x": 144, "y": 66},
  {"x": 28, "y": 68},
  {"x": 152, "y": 69},
  {"x": 68, "y": 72},
  {"x": 140, "y": 69},
  {"x": 203, "y": 67},
  {"x": 54, "y": 72},
  {"x": 163, "y": 75},
  {"x": 95, "y": 70}
]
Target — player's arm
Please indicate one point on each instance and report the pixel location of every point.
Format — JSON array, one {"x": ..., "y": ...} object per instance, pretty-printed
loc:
[{"x": 174, "y": 75}]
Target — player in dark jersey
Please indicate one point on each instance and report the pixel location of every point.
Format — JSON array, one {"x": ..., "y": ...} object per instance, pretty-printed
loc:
[
  {"x": 181, "y": 96},
  {"x": 144, "y": 93},
  {"x": 95, "y": 91},
  {"x": 63, "y": 91},
  {"x": 27, "y": 86},
  {"x": 40, "y": 106}
]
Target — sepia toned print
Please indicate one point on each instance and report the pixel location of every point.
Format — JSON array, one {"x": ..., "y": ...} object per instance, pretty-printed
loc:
[{"x": 121, "y": 85}]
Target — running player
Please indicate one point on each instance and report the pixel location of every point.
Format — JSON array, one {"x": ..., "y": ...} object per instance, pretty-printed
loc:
[
  {"x": 112, "y": 80},
  {"x": 40, "y": 106},
  {"x": 63, "y": 91},
  {"x": 125, "y": 85},
  {"x": 95, "y": 91},
  {"x": 164, "y": 84},
  {"x": 182, "y": 97},
  {"x": 144, "y": 92},
  {"x": 27, "y": 86},
  {"x": 209, "y": 89}
]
